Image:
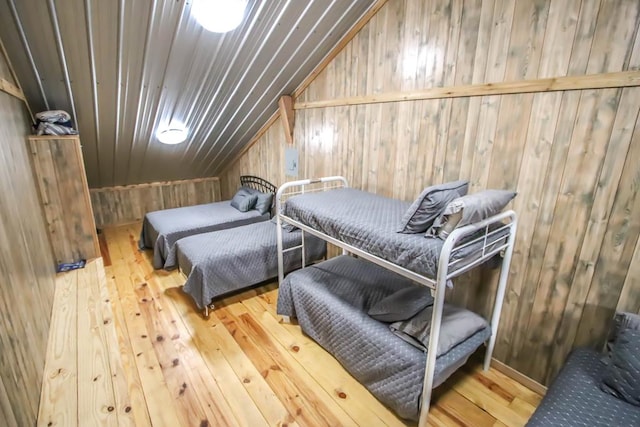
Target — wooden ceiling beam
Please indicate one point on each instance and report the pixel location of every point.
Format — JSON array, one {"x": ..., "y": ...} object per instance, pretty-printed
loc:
[{"x": 287, "y": 117}]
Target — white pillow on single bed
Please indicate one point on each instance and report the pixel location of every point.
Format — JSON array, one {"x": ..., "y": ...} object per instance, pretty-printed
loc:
[
  {"x": 243, "y": 200},
  {"x": 469, "y": 209},
  {"x": 429, "y": 205}
]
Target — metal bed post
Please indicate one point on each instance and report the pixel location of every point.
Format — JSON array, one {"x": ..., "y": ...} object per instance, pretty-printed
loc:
[
  {"x": 502, "y": 287},
  {"x": 279, "y": 237},
  {"x": 436, "y": 322},
  {"x": 281, "y": 191},
  {"x": 432, "y": 350}
]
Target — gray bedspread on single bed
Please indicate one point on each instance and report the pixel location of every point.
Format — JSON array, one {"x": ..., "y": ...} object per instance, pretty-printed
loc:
[
  {"x": 331, "y": 300},
  {"x": 223, "y": 261},
  {"x": 370, "y": 222},
  {"x": 162, "y": 229}
]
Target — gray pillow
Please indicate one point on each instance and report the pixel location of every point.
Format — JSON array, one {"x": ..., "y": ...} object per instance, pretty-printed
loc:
[
  {"x": 243, "y": 200},
  {"x": 264, "y": 202},
  {"x": 457, "y": 325},
  {"x": 402, "y": 304},
  {"x": 621, "y": 321},
  {"x": 622, "y": 377},
  {"x": 474, "y": 207},
  {"x": 429, "y": 205}
]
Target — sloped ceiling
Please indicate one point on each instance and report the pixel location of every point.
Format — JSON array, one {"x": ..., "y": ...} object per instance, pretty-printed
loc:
[{"x": 125, "y": 68}]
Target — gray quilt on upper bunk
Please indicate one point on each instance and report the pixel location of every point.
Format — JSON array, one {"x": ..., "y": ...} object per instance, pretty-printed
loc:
[
  {"x": 223, "y": 261},
  {"x": 331, "y": 300},
  {"x": 162, "y": 229},
  {"x": 370, "y": 222}
]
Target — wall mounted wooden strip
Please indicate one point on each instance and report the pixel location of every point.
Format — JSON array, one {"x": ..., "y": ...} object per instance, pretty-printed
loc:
[
  {"x": 570, "y": 153},
  {"x": 127, "y": 204},
  {"x": 594, "y": 81}
]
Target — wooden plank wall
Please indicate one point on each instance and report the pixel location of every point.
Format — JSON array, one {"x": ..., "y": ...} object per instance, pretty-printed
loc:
[
  {"x": 26, "y": 270},
  {"x": 127, "y": 204},
  {"x": 59, "y": 169},
  {"x": 571, "y": 155}
]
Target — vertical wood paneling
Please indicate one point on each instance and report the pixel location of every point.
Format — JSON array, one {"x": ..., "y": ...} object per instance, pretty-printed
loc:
[
  {"x": 59, "y": 168},
  {"x": 127, "y": 204},
  {"x": 571, "y": 156},
  {"x": 26, "y": 271}
]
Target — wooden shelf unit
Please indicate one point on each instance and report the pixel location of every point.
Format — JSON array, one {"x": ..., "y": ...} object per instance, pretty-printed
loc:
[{"x": 59, "y": 170}]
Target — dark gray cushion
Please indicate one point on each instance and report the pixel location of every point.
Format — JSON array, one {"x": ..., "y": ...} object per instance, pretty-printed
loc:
[
  {"x": 429, "y": 205},
  {"x": 474, "y": 207},
  {"x": 621, "y": 321},
  {"x": 264, "y": 202},
  {"x": 243, "y": 200},
  {"x": 402, "y": 304},
  {"x": 457, "y": 325},
  {"x": 622, "y": 377}
]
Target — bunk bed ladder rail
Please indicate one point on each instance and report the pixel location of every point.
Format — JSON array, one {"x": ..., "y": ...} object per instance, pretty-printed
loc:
[
  {"x": 281, "y": 192},
  {"x": 440, "y": 290}
]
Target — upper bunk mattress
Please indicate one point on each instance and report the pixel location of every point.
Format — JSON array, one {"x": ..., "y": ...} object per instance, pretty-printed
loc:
[
  {"x": 370, "y": 222},
  {"x": 162, "y": 229}
]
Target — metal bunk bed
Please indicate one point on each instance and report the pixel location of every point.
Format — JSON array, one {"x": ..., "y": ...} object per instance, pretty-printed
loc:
[{"x": 447, "y": 266}]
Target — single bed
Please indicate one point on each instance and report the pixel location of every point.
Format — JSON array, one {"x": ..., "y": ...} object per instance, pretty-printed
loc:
[
  {"x": 225, "y": 261},
  {"x": 347, "y": 287},
  {"x": 162, "y": 229},
  {"x": 442, "y": 234}
]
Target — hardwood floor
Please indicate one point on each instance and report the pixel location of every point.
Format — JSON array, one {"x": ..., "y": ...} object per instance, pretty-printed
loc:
[{"x": 127, "y": 347}]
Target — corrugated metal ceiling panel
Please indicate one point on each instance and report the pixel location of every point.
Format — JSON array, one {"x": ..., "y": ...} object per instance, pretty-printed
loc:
[{"x": 137, "y": 65}]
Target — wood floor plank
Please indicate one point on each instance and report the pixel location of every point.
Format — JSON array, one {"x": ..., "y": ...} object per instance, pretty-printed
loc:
[
  {"x": 96, "y": 402},
  {"x": 138, "y": 404},
  {"x": 492, "y": 403},
  {"x": 221, "y": 408},
  {"x": 315, "y": 406},
  {"x": 118, "y": 378},
  {"x": 462, "y": 410},
  {"x": 231, "y": 366},
  {"x": 343, "y": 388},
  {"x": 59, "y": 397},
  {"x": 160, "y": 402}
]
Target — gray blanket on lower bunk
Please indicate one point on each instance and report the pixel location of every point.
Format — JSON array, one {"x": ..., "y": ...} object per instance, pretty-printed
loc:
[
  {"x": 223, "y": 261},
  {"x": 331, "y": 300}
]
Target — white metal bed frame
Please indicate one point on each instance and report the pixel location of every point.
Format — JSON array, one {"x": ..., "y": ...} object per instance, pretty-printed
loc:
[{"x": 446, "y": 267}]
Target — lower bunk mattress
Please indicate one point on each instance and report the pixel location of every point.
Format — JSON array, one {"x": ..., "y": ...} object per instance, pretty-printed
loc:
[
  {"x": 224, "y": 261},
  {"x": 331, "y": 300}
]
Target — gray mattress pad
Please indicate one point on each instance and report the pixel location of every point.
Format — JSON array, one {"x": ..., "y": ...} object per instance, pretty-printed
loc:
[
  {"x": 162, "y": 229},
  {"x": 370, "y": 222},
  {"x": 224, "y": 261},
  {"x": 331, "y": 300}
]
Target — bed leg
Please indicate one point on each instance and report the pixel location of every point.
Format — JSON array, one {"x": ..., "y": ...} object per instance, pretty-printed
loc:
[
  {"x": 206, "y": 310},
  {"x": 286, "y": 319}
]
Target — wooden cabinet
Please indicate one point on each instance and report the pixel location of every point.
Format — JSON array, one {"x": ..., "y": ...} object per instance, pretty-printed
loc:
[{"x": 64, "y": 193}]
